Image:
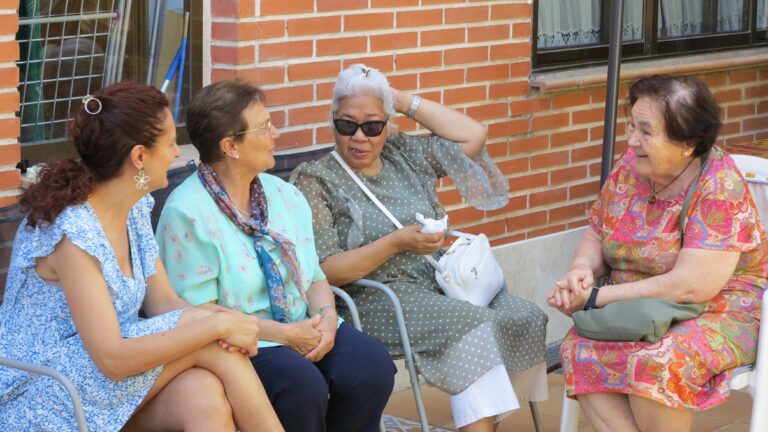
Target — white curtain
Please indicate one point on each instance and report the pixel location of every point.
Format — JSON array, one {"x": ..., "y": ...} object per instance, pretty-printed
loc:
[
  {"x": 565, "y": 23},
  {"x": 730, "y": 15},
  {"x": 762, "y": 15},
  {"x": 680, "y": 18}
]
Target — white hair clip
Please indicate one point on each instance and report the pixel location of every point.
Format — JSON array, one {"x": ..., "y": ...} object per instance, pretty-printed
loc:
[{"x": 86, "y": 100}]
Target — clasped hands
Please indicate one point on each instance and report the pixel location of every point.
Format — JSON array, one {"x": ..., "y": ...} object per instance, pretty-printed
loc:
[{"x": 572, "y": 290}]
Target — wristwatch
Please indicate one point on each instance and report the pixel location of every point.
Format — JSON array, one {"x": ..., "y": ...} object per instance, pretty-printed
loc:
[{"x": 592, "y": 300}]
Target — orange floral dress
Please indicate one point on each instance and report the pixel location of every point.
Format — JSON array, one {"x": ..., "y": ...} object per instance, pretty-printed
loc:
[{"x": 690, "y": 367}]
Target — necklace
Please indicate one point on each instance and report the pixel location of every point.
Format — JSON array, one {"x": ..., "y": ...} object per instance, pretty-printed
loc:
[{"x": 655, "y": 195}]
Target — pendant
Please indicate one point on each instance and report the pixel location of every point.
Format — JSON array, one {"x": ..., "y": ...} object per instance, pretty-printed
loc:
[{"x": 652, "y": 199}]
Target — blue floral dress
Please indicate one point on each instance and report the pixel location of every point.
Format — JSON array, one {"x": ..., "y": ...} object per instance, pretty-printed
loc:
[{"x": 36, "y": 326}]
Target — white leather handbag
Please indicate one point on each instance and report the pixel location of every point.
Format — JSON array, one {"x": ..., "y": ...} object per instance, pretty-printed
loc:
[{"x": 468, "y": 271}]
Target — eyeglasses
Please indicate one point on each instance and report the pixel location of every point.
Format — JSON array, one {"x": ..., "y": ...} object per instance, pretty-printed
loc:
[
  {"x": 349, "y": 128},
  {"x": 266, "y": 128}
]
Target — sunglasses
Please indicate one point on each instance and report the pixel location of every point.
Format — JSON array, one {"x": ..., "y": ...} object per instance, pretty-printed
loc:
[{"x": 349, "y": 128}]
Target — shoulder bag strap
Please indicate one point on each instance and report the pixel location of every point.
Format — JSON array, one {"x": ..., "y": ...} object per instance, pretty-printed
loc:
[
  {"x": 689, "y": 195},
  {"x": 378, "y": 203}
]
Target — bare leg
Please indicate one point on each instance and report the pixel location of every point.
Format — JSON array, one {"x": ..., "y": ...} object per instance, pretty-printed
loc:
[
  {"x": 251, "y": 408},
  {"x": 653, "y": 416},
  {"x": 486, "y": 424},
  {"x": 608, "y": 412},
  {"x": 193, "y": 401}
]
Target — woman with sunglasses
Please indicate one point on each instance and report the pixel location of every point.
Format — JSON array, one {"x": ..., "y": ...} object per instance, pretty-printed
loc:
[
  {"x": 474, "y": 353},
  {"x": 242, "y": 239}
]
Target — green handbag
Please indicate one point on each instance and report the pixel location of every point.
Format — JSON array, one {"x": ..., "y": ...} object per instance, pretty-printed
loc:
[{"x": 644, "y": 319}]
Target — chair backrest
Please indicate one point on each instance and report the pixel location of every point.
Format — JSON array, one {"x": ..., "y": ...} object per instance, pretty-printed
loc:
[{"x": 755, "y": 171}]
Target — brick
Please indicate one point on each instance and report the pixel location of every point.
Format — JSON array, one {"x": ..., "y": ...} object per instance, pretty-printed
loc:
[
  {"x": 497, "y": 149},
  {"x": 516, "y": 203},
  {"x": 549, "y": 122},
  {"x": 310, "y": 114},
  {"x": 10, "y": 154},
  {"x": 313, "y": 70},
  {"x": 569, "y": 212},
  {"x": 278, "y": 118},
  {"x": 394, "y": 41},
  {"x": 530, "y": 144},
  {"x": 464, "y": 94},
  {"x": 489, "y": 111},
  {"x": 289, "y": 95},
  {"x": 762, "y": 107},
  {"x": 596, "y": 133},
  {"x": 285, "y": 50},
  {"x": 434, "y": 2},
  {"x": 393, "y": 3},
  {"x": 527, "y": 220},
  {"x": 507, "y": 128},
  {"x": 732, "y": 95},
  {"x": 466, "y": 14},
  {"x": 498, "y": 72},
  {"x": 741, "y": 110},
  {"x": 466, "y": 55},
  {"x": 588, "y": 116},
  {"x": 223, "y": 74},
  {"x": 9, "y": 77},
  {"x": 441, "y": 78},
  {"x": 488, "y": 33},
  {"x": 286, "y": 7},
  {"x": 510, "y": 51},
  {"x": 384, "y": 63},
  {"x": 551, "y": 196},
  {"x": 464, "y": 215},
  {"x": 233, "y": 8},
  {"x": 9, "y": 102},
  {"x": 730, "y": 128},
  {"x": 419, "y": 18},
  {"x": 756, "y": 123},
  {"x": 9, "y": 4},
  {"x": 449, "y": 197},
  {"x": 741, "y": 139},
  {"x": 522, "y": 30},
  {"x": 528, "y": 106},
  {"x": 586, "y": 153},
  {"x": 584, "y": 190},
  {"x": 490, "y": 229},
  {"x": 336, "y": 5},
  {"x": 755, "y": 92},
  {"x": 550, "y": 159},
  {"x": 509, "y": 89},
  {"x": 568, "y": 100},
  {"x": 233, "y": 55},
  {"x": 10, "y": 127},
  {"x": 336, "y": 46},
  {"x": 442, "y": 37},
  {"x": 715, "y": 80},
  {"x": 419, "y": 60},
  {"x": 324, "y": 135},
  {"x": 520, "y": 69},
  {"x": 9, "y": 51},
  {"x": 369, "y": 21},
  {"x": 515, "y": 166},
  {"x": 293, "y": 139},
  {"x": 569, "y": 174},
  {"x": 9, "y": 23},
  {"x": 506, "y": 239},
  {"x": 314, "y": 25},
  {"x": 742, "y": 77},
  {"x": 545, "y": 231},
  {"x": 245, "y": 31},
  {"x": 262, "y": 75},
  {"x": 562, "y": 139},
  {"x": 10, "y": 179},
  {"x": 511, "y": 11},
  {"x": 406, "y": 82}
]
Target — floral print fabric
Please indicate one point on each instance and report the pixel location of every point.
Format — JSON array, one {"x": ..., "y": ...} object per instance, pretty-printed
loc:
[
  {"x": 690, "y": 366},
  {"x": 36, "y": 326}
]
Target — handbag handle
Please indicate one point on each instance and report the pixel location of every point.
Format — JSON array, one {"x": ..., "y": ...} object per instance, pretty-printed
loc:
[
  {"x": 381, "y": 207},
  {"x": 689, "y": 195}
]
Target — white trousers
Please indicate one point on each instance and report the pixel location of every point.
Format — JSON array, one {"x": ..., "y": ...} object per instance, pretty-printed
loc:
[{"x": 493, "y": 395}]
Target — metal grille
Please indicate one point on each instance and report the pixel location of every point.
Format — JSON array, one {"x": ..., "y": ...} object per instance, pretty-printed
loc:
[{"x": 68, "y": 49}]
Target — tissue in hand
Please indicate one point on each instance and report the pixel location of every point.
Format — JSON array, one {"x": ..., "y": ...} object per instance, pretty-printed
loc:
[{"x": 429, "y": 226}]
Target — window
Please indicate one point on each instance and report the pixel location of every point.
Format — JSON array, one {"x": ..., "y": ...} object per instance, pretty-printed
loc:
[
  {"x": 577, "y": 31},
  {"x": 71, "y": 48}
]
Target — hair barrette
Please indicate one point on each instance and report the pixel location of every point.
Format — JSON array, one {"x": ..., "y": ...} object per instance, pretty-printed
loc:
[
  {"x": 366, "y": 71},
  {"x": 86, "y": 100}
]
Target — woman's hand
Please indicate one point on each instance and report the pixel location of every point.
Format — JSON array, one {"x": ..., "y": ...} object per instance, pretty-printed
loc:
[
  {"x": 304, "y": 336},
  {"x": 241, "y": 332},
  {"x": 327, "y": 327},
  {"x": 411, "y": 239},
  {"x": 572, "y": 290}
]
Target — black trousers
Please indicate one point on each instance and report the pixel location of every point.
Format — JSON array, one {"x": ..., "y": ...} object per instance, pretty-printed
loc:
[{"x": 345, "y": 391}]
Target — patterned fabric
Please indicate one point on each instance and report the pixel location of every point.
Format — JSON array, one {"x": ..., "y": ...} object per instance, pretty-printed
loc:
[
  {"x": 454, "y": 342},
  {"x": 257, "y": 228},
  {"x": 690, "y": 367},
  {"x": 210, "y": 259},
  {"x": 36, "y": 326}
]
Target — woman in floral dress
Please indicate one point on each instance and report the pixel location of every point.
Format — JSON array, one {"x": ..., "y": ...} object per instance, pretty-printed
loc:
[
  {"x": 634, "y": 240},
  {"x": 84, "y": 262}
]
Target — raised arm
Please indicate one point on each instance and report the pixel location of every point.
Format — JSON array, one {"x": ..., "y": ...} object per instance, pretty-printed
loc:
[
  {"x": 96, "y": 321},
  {"x": 445, "y": 122}
]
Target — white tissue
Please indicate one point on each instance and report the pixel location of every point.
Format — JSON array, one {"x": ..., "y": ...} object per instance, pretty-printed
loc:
[{"x": 429, "y": 226}]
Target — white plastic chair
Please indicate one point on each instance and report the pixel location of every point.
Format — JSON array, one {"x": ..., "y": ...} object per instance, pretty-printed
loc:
[{"x": 752, "y": 378}]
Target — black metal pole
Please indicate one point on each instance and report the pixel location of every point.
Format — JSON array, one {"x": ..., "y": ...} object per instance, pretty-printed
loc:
[{"x": 612, "y": 88}]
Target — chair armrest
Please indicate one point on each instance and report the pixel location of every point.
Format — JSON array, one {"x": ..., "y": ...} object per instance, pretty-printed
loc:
[
  {"x": 350, "y": 305},
  {"x": 760, "y": 374},
  {"x": 44, "y": 370}
]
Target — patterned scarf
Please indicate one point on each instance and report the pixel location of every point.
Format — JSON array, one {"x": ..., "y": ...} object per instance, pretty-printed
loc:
[{"x": 257, "y": 228}]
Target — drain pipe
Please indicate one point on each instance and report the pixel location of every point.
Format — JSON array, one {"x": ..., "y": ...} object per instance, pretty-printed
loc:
[{"x": 612, "y": 89}]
